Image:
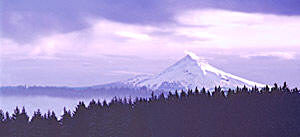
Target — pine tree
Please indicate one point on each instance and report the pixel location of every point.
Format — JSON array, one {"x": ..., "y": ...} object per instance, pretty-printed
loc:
[
  {"x": 2, "y": 124},
  {"x": 93, "y": 122},
  {"x": 190, "y": 92},
  {"x": 52, "y": 125},
  {"x": 19, "y": 123},
  {"x": 182, "y": 94},
  {"x": 37, "y": 125},
  {"x": 285, "y": 87},
  {"x": 203, "y": 91},
  {"x": 196, "y": 91},
  {"x": 66, "y": 124},
  {"x": 80, "y": 116},
  {"x": 7, "y": 126}
]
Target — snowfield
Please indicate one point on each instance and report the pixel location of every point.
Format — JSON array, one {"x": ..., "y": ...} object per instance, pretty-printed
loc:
[{"x": 188, "y": 73}]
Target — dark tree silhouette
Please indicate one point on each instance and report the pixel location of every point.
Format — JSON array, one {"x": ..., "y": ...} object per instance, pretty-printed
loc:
[{"x": 254, "y": 112}]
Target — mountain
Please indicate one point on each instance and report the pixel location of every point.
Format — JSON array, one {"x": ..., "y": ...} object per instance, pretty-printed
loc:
[
  {"x": 188, "y": 73},
  {"x": 129, "y": 83}
]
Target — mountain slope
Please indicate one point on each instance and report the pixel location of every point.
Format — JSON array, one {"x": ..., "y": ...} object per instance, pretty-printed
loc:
[{"x": 188, "y": 73}]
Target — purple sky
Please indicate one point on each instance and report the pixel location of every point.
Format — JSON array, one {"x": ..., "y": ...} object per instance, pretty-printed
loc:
[{"x": 81, "y": 43}]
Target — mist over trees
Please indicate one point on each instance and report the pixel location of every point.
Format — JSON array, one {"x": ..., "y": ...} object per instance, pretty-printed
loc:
[
  {"x": 68, "y": 92},
  {"x": 241, "y": 112}
]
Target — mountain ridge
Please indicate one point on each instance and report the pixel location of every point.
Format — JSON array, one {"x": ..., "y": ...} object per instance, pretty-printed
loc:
[{"x": 189, "y": 72}]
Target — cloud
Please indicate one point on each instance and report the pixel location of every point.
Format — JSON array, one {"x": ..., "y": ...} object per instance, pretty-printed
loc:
[
  {"x": 229, "y": 29},
  {"x": 197, "y": 31},
  {"x": 279, "y": 54},
  {"x": 102, "y": 37},
  {"x": 212, "y": 17},
  {"x": 35, "y": 18},
  {"x": 133, "y": 35}
]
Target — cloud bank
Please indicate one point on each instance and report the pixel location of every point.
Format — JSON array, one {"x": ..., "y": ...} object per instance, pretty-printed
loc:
[
  {"x": 41, "y": 17},
  {"x": 193, "y": 30},
  {"x": 279, "y": 54}
]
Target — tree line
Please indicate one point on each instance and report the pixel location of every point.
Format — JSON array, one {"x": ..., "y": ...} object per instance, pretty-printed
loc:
[{"x": 248, "y": 112}]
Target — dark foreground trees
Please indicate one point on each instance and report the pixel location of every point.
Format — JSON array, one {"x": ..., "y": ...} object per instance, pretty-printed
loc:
[{"x": 268, "y": 112}]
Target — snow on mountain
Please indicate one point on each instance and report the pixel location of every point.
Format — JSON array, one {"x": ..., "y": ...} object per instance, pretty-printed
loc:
[
  {"x": 129, "y": 83},
  {"x": 188, "y": 73}
]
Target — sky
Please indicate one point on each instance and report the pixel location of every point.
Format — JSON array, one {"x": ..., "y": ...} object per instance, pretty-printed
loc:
[{"x": 82, "y": 43}]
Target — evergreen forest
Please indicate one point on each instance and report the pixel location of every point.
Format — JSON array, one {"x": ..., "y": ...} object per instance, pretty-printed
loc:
[{"x": 240, "y": 112}]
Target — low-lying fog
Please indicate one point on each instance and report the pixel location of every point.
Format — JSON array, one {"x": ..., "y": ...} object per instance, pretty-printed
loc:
[{"x": 44, "y": 103}]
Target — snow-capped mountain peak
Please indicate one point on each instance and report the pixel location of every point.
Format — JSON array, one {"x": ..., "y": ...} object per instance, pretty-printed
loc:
[
  {"x": 192, "y": 71},
  {"x": 189, "y": 72}
]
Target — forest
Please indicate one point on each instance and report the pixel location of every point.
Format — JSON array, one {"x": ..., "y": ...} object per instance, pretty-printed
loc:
[{"x": 240, "y": 112}]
